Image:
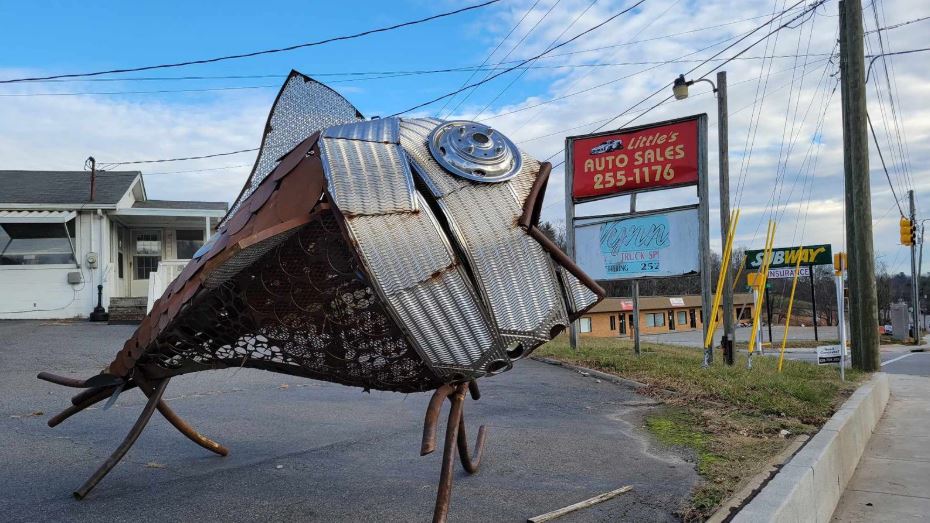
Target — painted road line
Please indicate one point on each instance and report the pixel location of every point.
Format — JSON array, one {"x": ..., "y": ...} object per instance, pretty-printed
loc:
[{"x": 892, "y": 360}]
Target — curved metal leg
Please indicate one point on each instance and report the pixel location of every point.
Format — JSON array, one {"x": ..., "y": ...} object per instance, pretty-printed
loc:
[
  {"x": 456, "y": 440},
  {"x": 432, "y": 418},
  {"x": 444, "y": 492},
  {"x": 178, "y": 423},
  {"x": 83, "y": 401},
  {"x": 470, "y": 463},
  {"x": 127, "y": 442}
]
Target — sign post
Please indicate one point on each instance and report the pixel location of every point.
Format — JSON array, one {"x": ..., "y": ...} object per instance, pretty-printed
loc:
[{"x": 639, "y": 245}]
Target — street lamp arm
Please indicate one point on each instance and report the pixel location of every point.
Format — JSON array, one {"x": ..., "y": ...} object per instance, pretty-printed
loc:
[{"x": 692, "y": 82}]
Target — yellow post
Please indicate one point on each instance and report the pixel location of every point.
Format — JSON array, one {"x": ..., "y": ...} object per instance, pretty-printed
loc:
[
  {"x": 794, "y": 285},
  {"x": 760, "y": 282},
  {"x": 724, "y": 263}
]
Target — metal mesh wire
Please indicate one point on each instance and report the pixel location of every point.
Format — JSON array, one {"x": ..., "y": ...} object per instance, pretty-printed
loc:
[
  {"x": 303, "y": 107},
  {"x": 302, "y": 308}
]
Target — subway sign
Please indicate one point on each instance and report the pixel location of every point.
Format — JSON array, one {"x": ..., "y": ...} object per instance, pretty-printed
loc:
[
  {"x": 655, "y": 156},
  {"x": 788, "y": 256}
]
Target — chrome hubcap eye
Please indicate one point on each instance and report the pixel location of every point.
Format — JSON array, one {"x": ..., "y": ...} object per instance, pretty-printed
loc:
[{"x": 474, "y": 151}]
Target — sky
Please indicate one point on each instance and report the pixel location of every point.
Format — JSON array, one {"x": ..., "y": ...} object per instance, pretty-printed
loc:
[{"x": 784, "y": 126}]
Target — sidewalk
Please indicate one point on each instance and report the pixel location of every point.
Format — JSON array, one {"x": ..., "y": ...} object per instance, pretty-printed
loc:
[{"x": 892, "y": 481}]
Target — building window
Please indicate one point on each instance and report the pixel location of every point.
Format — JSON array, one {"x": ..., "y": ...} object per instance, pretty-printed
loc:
[
  {"x": 37, "y": 243},
  {"x": 585, "y": 324},
  {"x": 147, "y": 253},
  {"x": 613, "y": 322},
  {"x": 145, "y": 265},
  {"x": 682, "y": 317},
  {"x": 655, "y": 319},
  {"x": 188, "y": 242}
]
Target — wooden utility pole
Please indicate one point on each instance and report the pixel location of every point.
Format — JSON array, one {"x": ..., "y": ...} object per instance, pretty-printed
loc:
[
  {"x": 729, "y": 324},
  {"x": 863, "y": 301},
  {"x": 915, "y": 273}
]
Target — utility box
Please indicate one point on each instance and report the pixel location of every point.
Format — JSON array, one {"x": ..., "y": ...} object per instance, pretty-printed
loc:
[
  {"x": 900, "y": 321},
  {"x": 74, "y": 278}
]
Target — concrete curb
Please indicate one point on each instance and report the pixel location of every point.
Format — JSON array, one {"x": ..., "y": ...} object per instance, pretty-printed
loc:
[
  {"x": 809, "y": 486},
  {"x": 591, "y": 372}
]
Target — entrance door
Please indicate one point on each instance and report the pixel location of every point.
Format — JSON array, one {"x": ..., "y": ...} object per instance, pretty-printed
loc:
[
  {"x": 693, "y": 321},
  {"x": 671, "y": 320},
  {"x": 146, "y": 253},
  {"x": 622, "y": 318}
]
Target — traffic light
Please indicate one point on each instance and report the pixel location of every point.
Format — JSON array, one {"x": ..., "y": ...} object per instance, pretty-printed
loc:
[{"x": 907, "y": 231}]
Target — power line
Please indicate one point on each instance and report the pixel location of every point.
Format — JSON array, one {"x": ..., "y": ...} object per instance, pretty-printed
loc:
[
  {"x": 570, "y": 40},
  {"x": 258, "y": 53},
  {"x": 499, "y": 44},
  {"x": 157, "y": 91},
  {"x": 811, "y": 8},
  {"x": 884, "y": 168},
  {"x": 577, "y": 81},
  {"x": 664, "y": 87},
  {"x": 200, "y": 170},
  {"x": 163, "y": 160},
  {"x": 523, "y": 71},
  {"x": 901, "y": 24},
  {"x": 512, "y": 49}
]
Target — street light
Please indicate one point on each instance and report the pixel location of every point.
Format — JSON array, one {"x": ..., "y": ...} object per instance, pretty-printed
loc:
[
  {"x": 680, "y": 87},
  {"x": 680, "y": 90}
]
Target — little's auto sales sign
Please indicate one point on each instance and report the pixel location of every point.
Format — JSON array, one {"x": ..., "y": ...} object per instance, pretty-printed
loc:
[{"x": 657, "y": 156}]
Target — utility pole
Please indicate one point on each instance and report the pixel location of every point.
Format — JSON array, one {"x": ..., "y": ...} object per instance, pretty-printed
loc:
[
  {"x": 723, "y": 151},
  {"x": 915, "y": 275},
  {"x": 863, "y": 301}
]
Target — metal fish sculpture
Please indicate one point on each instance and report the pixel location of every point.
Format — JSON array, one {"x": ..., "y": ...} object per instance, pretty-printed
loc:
[{"x": 390, "y": 254}]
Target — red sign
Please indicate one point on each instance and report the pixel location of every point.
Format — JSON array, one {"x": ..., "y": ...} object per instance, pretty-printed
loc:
[{"x": 644, "y": 158}]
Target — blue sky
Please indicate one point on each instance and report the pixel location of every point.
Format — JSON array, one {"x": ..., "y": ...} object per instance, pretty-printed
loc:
[
  {"x": 777, "y": 172},
  {"x": 69, "y": 36}
]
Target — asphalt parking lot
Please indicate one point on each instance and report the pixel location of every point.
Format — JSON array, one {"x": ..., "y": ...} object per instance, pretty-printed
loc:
[{"x": 303, "y": 450}]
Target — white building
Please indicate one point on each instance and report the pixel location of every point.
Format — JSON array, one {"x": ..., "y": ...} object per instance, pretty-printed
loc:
[{"x": 58, "y": 243}]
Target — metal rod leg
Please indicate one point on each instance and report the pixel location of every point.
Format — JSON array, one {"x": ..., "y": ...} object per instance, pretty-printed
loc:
[
  {"x": 444, "y": 492},
  {"x": 128, "y": 442},
  {"x": 180, "y": 424},
  {"x": 86, "y": 401},
  {"x": 428, "y": 444},
  {"x": 470, "y": 463}
]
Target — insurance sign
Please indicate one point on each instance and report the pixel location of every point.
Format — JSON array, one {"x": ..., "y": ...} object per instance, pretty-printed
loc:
[
  {"x": 788, "y": 256},
  {"x": 656, "y": 156},
  {"x": 639, "y": 245}
]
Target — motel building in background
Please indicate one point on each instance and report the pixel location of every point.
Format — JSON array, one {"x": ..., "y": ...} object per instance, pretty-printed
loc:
[
  {"x": 60, "y": 239},
  {"x": 613, "y": 317}
]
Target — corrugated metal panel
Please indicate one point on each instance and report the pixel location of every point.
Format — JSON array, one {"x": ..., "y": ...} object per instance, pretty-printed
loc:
[
  {"x": 36, "y": 216},
  {"x": 368, "y": 177},
  {"x": 378, "y": 130},
  {"x": 580, "y": 295},
  {"x": 443, "y": 317},
  {"x": 515, "y": 275},
  {"x": 402, "y": 249}
]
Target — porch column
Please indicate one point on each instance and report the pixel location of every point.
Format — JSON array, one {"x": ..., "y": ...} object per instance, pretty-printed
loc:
[{"x": 206, "y": 228}]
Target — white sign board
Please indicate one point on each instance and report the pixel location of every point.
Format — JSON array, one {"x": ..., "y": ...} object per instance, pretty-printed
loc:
[
  {"x": 788, "y": 272},
  {"x": 650, "y": 245},
  {"x": 828, "y": 354}
]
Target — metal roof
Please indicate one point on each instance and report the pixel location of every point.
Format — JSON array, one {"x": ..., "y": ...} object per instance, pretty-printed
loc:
[
  {"x": 63, "y": 187},
  {"x": 36, "y": 216},
  {"x": 173, "y": 204}
]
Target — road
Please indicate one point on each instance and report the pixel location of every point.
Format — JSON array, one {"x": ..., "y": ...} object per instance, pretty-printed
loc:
[
  {"x": 696, "y": 338},
  {"x": 303, "y": 450}
]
